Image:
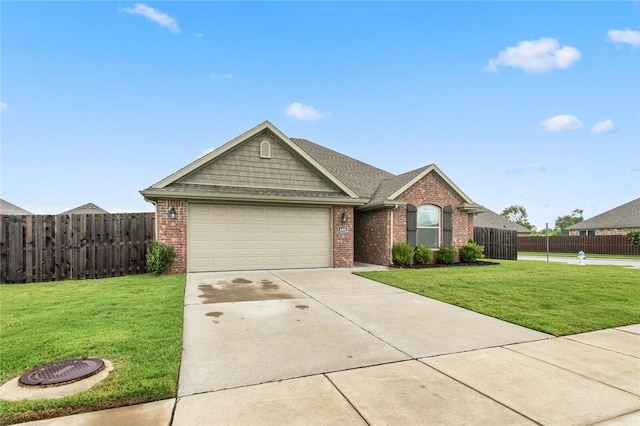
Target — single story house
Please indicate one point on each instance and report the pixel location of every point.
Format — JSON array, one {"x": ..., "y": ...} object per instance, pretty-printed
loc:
[
  {"x": 88, "y": 208},
  {"x": 490, "y": 219},
  {"x": 267, "y": 201},
  {"x": 617, "y": 221}
]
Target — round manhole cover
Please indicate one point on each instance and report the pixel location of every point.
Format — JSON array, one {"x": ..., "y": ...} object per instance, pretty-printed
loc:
[{"x": 62, "y": 372}]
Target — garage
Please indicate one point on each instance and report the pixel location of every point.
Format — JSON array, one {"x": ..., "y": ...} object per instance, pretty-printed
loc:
[{"x": 244, "y": 237}]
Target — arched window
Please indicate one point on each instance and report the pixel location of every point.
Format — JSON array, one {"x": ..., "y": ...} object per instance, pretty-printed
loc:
[
  {"x": 265, "y": 149},
  {"x": 428, "y": 226}
]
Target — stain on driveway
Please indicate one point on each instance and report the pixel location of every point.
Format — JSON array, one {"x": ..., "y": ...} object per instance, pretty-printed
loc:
[{"x": 241, "y": 290}]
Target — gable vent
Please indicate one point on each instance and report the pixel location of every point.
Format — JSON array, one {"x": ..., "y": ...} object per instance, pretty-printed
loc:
[{"x": 265, "y": 149}]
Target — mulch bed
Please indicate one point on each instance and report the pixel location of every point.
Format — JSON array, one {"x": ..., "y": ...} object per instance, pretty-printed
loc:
[{"x": 441, "y": 265}]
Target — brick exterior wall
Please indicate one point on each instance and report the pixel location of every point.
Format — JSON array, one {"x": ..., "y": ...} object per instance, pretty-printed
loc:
[
  {"x": 173, "y": 232},
  {"x": 432, "y": 190},
  {"x": 371, "y": 237},
  {"x": 343, "y": 241},
  {"x": 373, "y": 227}
]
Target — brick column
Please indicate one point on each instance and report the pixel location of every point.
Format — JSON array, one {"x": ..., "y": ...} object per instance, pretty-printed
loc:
[
  {"x": 173, "y": 232},
  {"x": 342, "y": 240}
]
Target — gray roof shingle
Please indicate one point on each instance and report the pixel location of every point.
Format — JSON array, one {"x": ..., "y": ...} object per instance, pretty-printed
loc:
[
  {"x": 86, "y": 208},
  {"x": 489, "y": 219},
  {"x": 8, "y": 208},
  {"x": 624, "y": 216},
  {"x": 361, "y": 178}
]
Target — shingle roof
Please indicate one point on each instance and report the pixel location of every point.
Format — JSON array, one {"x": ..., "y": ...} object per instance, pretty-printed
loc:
[
  {"x": 8, "y": 208},
  {"x": 88, "y": 208},
  {"x": 360, "y": 177},
  {"x": 364, "y": 185},
  {"x": 390, "y": 185},
  {"x": 489, "y": 219},
  {"x": 624, "y": 216}
]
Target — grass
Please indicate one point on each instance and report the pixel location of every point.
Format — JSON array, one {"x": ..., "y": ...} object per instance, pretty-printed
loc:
[
  {"x": 555, "y": 298},
  {"x": 133, "y": 321},
  {"x": 575, "y": 255}
]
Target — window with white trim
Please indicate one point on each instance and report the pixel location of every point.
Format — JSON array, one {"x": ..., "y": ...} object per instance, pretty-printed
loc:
[{"x": 428, "y": 226}]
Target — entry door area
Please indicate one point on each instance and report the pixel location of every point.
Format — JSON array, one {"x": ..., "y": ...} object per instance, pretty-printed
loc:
[{"x": 239, "y": 237}]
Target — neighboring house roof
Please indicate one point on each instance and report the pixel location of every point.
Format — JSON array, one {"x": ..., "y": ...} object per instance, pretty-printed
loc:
[
  {"x": 624, "y": 216},
  {"x": 88, "y": 208},
  {"x": 8, "y": 208},
  {"x": 351, "y": 182},
  {"x": 489, "y": 219}
]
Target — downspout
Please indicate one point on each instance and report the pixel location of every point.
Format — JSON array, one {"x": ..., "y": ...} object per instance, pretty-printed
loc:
[{"x": 391, "y": 235}]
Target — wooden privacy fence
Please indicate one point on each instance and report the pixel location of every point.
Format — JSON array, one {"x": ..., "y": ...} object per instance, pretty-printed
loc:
[
  {"x": 596, "y": 244},
  {"x": 498, "y": 243},
  {"x": 38, "y": 248}
]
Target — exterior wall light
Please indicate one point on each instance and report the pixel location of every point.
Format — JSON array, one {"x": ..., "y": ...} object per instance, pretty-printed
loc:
[
  {"x": 173, "y": 214},
  {"x": 344, "y": 216}
]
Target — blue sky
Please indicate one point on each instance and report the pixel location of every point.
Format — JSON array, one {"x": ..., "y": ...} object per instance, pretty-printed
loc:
[{"x": 529, "y": 103}]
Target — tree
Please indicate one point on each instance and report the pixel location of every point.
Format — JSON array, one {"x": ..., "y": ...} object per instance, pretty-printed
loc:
[
  {"x": 564, "y": 222},
  {"x": 517, "y": 214}
]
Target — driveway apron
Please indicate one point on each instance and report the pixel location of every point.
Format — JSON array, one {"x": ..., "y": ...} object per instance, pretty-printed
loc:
[
  {"x": 321, "y": 347},
  {"x": 246, "y": 328}
]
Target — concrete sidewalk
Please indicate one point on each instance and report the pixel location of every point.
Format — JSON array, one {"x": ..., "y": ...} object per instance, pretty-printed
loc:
[
  {"x": 328, "y": 347},
  {"x": 588, "y": 261}
]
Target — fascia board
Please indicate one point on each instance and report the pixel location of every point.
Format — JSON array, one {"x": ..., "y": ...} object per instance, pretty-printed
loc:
[
  {"x": 386, "y": 204},
  {"x": 155, "y": 195}
]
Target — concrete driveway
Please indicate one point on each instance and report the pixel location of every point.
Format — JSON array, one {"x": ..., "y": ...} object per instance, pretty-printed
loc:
[{"x": 328, "y": 347}]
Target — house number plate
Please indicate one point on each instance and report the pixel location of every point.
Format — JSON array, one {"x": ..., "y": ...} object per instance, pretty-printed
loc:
[{"x": 342, "y": 229}]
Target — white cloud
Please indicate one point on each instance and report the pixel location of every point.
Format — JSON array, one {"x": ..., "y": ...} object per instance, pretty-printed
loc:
[
  {"x": 539, "y": 55},
  {"x": 303, "y": 112},
  {"x": 561, "y": 122},
  {"x": 605, "y": 126},
  {"x": 624, "y": 36},
  {"x": 3, "y": 107},
  {"x": 159, "y": 18}
]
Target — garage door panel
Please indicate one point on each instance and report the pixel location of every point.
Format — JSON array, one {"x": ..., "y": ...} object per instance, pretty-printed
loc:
[{"x": 226, "y": 237}]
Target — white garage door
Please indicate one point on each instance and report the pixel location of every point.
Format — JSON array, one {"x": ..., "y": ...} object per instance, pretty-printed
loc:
[{"x": 228, "y": 237}]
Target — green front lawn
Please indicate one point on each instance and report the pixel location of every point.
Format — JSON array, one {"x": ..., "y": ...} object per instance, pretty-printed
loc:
[
  {"x": 133, "y": 321},
  {"x": 555, "y": 298}
]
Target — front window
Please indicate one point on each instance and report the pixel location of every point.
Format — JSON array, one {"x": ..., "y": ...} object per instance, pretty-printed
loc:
[{"x": 429, "y": 226}]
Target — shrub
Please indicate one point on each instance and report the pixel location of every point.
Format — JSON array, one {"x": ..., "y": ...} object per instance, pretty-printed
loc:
[
  {"x": 634, "y": 236},
  {"x": 471, "y": 252},
  {"x": 159, "y": 257},
  {"x": 402, "y": 254},
  {"x": 447, "y": 255},
  {"x": 423, "y": 254}
]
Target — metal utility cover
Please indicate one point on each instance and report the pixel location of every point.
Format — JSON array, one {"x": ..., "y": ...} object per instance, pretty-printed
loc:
[{"x": 62, "y": 372}]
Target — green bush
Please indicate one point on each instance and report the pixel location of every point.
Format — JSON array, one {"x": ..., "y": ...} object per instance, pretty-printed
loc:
[
  {"x": 423, "y": 254},
  {"x": 634, "y": 236},
  {"x": 159, "y": 257},
  {"x": 471, "y": 252},
  {"x": 402, "y": 254},
  {"x": 447, "y": 255}
]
